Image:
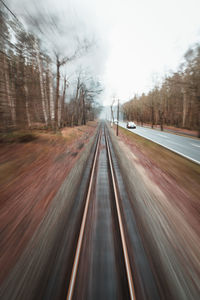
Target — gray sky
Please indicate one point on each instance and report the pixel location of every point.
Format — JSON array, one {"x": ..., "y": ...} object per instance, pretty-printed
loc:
[{"x": 138, "y": 41}]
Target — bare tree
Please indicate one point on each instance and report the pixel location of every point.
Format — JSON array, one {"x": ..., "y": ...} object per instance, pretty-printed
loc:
[{"x": 29, "y": 95}]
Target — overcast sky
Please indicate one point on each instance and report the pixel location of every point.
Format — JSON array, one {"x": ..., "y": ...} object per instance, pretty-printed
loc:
[{"x": 138, "y": 40}]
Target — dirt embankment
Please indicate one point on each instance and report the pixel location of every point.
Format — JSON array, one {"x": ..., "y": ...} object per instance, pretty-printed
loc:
[
  {"x": 31, "y": 174},
  {"x": 164, "y": 192}
]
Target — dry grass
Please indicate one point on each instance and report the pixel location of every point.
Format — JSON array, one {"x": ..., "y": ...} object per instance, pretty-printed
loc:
[
  {"x": 73, "y": 133},
  {"x": 31, "y": 173},
  {"x": 19, "y": 150},
  {"x": 17, "y": 137}
]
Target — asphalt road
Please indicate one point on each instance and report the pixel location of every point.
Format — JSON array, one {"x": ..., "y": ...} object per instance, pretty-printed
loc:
[{"x": 187, "y": 147}]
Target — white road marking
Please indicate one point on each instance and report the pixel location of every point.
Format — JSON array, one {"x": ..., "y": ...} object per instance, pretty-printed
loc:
[
  {"x": 163, "y": 135},
  {"x": 196, "y": 145},
  {"x": 174, "y": 143}
]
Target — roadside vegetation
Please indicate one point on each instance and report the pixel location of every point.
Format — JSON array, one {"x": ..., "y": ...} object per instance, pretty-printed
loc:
[{"x": 17, "y": 136}]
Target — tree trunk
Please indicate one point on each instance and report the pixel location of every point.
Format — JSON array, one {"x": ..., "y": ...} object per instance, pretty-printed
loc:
[
  {"x": 57, "y": 93},
  {"x": 27, "y": 106},
  {"x": 9, "y": 99},
  {"x": 48, "y": 98},
  {"x": 63, "y": 101},
  {"x": 84, "y": 116},
  {"x": 161, "y": 119},
  {"x": 152, "y": 116},
  {"x": 184, "y": 108},
  {"x": 51, "y": 98},
  {"x": 77, "y": 103},
  {"x": 41, "y": 83}
]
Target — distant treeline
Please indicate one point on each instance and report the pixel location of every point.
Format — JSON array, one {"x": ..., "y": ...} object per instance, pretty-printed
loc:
[
  {"x": 176, "y": 102},
  {"x": 31, "y": 94}
]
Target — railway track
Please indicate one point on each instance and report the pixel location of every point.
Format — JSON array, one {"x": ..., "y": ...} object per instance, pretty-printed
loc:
[
  {"x": 94, "y": 250},
  {"x": 102, "y": 152}
]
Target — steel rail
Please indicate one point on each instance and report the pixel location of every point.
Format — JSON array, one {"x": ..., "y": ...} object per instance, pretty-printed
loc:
[
  {"x": 124, "y": 246},
  {"x": 80, "y": 239}
]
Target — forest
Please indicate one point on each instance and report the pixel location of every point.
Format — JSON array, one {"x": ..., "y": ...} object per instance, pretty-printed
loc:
[
  {"x": 175, "y": 102},
  {"x": 33, "y": 86}
]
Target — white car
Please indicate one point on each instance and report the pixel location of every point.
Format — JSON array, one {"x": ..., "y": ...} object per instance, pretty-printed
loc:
[{"x": 131, "y": 125}]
